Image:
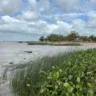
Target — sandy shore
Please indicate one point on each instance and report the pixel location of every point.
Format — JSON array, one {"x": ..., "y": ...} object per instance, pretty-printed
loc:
[
  {"x": 81, "y": 43},
  {"x": 87, "y": 44},
  {"x": 12, "y": 53}
]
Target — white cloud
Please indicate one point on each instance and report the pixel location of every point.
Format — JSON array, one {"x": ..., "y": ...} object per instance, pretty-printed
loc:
[
  {"x": 40, "y": 6},
  {"x": 10, "y": 6},
  {"x": 84, "y": 28},
  {"x": 29, "y": 15},
  {"x": 63, "y": 27},
  {"x": 9, "y": 19},
  {"x": 91, "y": 14},
  {"x": 33, "y": 4},
  {"x": 37, "y": 27}
]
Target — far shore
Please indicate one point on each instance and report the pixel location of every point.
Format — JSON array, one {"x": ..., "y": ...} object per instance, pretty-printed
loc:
[
  {"x": 64, "y": 43},
  {"x": 81, "y": 43},
  {"x": 56, "y": 43}
]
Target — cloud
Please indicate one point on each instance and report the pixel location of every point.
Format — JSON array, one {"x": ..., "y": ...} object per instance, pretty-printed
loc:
[
  {"x": 9, "y": 19},
  {"x": 40, "y": 5},
  {"x": 10, "y": 6},
  {"x": 43, "y": 17},
  {"x": 68, "y": 5},
  {"x": 91, "y": 14},
  {"x": 33, "y": 4},
  {"x": 29, "y": 15},
  {"x": 39, "y": 27}
]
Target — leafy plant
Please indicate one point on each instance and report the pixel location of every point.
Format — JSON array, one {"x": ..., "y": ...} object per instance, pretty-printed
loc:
[{"x": 70, "y": 74}]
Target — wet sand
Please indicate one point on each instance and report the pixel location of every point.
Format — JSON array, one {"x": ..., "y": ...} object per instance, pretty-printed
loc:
[{"x": 12, "y": 53}]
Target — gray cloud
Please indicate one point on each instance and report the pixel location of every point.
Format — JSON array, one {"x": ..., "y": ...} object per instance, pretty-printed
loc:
[{"x": 10, "y": 6}]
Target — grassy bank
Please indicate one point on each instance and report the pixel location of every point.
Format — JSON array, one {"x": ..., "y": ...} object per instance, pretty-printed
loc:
[
  {"x": 54, "y": 43},
  {"x": 70, "y": 74}
]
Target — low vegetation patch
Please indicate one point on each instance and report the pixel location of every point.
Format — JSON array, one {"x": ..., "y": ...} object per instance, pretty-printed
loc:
[
  {"x": 70, "y": 74},
  {"x": 54, "y": 43},
  {"x": 37, "y": 43}
]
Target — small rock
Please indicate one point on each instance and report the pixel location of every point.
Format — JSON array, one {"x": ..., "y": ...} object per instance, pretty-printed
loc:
[
  {"x": 28, "y": 51},
  {"x": 11, "y": 62}
]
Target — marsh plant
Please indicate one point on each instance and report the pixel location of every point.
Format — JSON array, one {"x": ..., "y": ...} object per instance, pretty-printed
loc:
[{"x": 68, "y": 74}]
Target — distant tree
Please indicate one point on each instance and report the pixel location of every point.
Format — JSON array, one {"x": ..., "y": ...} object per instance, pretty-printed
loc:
[
  {"x": 41, "y": 38},
  {"x": 72, "y": 36},
  {"x": 52, "y": 37},
  {"x": 84, "y": 38},
  {"x": 60, "y": 38},
  {"x": 92, "y": 38}
]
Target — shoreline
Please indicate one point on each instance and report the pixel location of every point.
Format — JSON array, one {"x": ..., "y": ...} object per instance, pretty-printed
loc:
[
  {"x": 54, "y": 43},
  {"x": 13, "y": 53}
]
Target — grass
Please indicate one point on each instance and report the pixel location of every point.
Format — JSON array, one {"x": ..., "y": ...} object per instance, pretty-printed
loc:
[
  {"x": 68, "y": 74},
  {"x": 53, "y": 43}
]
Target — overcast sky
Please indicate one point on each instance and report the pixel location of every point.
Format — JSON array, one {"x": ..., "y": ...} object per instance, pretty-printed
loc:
[{"x": 30, "y": 19}]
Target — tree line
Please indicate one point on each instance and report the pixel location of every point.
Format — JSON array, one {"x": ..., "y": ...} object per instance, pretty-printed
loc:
[{"x": 73, "y": 36}]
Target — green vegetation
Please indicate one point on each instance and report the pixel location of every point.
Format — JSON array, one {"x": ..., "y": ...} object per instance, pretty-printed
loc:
[
  {"x": 54, "y": 44},
  {"x": 72, "y": 39},
  {"x": 68, "y": 74},
  {"x": 42, "y": 38},
  {"x": 73, "y": 36},
  {"x": 37, "y": 43}
]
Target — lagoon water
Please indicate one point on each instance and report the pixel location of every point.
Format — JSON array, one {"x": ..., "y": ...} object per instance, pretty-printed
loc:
[{"x": 13, "y": 53}]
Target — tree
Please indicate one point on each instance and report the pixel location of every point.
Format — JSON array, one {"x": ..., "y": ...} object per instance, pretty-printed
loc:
[
  {"x": 42, "y": 38},
  {"x": 60, "y": 38},
  {"x": 72, "y": 36},
  {"x": 92, "y": 38},
  {"x": 52, "y": 37},
  {"x": 84, "y": 38}
]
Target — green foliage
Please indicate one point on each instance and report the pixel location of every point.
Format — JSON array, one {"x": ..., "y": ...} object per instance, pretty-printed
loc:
[
  {"x": 37, "y": 43},
  {"x": 70, "y": 74},
  {"x": 53, "y": 37},
  {"x": 72, "y": 36},
  {"x": 54, "y": 44},
  {"x": 42, "y": 38},
  {"x": 92, "y": 38},
  {"x": 84, "y": 38}
]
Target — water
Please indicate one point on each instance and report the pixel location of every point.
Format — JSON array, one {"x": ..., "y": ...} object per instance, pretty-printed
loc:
[{"x": 12, "y": 53}]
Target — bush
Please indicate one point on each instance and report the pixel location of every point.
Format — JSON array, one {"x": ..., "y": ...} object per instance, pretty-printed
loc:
[{"x": 70, "y": 74}]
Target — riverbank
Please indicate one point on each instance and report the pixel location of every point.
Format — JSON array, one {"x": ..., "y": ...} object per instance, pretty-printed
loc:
[
  {"x": 63, "y": 43},
  {"x": 14, "y": 53}
]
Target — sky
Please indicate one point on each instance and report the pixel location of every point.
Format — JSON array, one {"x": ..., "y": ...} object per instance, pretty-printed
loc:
[{"x": 27, "y": 20}]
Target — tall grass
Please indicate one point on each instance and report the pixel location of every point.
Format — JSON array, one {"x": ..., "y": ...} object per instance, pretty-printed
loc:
[{"x": 68, "y": 74}]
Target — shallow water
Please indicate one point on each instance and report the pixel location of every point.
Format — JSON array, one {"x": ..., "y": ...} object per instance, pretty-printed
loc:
[{"x": 12, "y": 53}]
